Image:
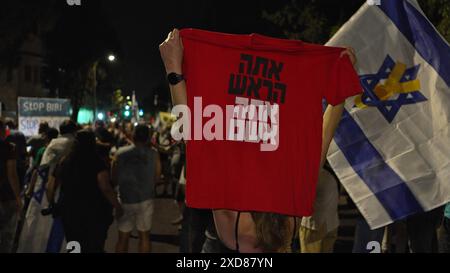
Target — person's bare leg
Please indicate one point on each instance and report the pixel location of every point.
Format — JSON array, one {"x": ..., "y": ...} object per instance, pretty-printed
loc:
[
  {"x": 144, "y": 241},
  {"x": 181, "y": 206},
  {"x": 122, "y": 242}
]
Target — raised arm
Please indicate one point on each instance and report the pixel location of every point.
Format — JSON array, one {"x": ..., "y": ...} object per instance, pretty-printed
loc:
[
  {"x": 333, "y": 115},
  {"x": 331, "y": 120},
  {"x": 172, "y": 55}
]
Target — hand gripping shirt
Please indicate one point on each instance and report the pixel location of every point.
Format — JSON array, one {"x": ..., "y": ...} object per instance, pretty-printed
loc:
[{"x": 256, "y": 119}]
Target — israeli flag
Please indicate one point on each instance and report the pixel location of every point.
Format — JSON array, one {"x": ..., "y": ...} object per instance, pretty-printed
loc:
[
  {"x": 43, "y": 233},
  {"x": 392, "y": 148}
]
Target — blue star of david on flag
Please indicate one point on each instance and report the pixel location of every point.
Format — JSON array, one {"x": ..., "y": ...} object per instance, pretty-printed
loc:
[
  {"x": 390, "y": 88},
  {"x": 43, "y": 174}
]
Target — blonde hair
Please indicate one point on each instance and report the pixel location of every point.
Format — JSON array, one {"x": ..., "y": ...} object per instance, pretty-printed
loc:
[{"x": 272, "y": 231}]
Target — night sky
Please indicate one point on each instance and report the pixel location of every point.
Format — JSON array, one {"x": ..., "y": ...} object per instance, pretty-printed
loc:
[{"x": 142, "y": 25}]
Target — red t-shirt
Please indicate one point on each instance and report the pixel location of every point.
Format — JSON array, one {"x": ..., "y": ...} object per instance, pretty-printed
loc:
[{"x": 227, "y": 69}]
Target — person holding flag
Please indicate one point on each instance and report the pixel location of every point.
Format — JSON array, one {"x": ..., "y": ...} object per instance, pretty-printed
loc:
[{"x": 41, "y": 233}]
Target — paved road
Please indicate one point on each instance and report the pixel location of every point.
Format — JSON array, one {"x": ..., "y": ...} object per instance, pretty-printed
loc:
[
  {"x": 165, "y": 239},
  {"x": 164, "y": 235},
  {"x": 346, "y": 231}
]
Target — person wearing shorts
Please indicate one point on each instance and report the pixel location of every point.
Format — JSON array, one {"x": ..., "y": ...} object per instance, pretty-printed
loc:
[
  {"x": 135, "y": 170},
  {"x": 137, "y": 216}
]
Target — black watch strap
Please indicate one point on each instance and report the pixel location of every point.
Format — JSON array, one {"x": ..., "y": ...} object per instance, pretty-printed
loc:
[{"x": 174, "y": 78}]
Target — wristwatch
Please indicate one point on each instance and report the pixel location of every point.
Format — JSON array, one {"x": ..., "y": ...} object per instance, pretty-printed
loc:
[{"x": 174, "y": 78}]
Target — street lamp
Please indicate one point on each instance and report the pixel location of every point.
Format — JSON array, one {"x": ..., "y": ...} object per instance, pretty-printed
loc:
[
  {"x": 100, "y": 116},
  {"x": 111, "y": 58}
]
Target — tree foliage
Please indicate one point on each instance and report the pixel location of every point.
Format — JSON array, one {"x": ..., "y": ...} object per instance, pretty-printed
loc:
[
  {"x": 438, "y": 11},
  {"x": 74, "y": 39},
  {"x": 80, "y": 40},
  {"x": 312, "y": 20},
  {"x": 17, "y": 20},
  {"x": 317, "y": 20},
  {"x": 118, "y": 101}
]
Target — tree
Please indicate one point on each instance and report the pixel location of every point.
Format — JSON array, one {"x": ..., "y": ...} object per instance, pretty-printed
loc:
[
  {"x": 74, "y": 39},
  {"x": 317, "y": 20},
  {"x": 82, "y": 37},
  {"x": 438, "y": 11},
  {"x": 118, "y": 101},
  {"x": 312, "y": 20},
  {"x": 17, "y": 20}
]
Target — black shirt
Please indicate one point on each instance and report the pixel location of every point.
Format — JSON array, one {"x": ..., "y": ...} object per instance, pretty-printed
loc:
[
  {"x": 80, "y": 193},
  {"x": 7, "y": 152},
  {"x": 20, "y": 142}
]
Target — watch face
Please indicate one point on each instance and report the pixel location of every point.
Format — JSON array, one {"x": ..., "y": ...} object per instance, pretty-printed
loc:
[{"x": 174, "y": 78}]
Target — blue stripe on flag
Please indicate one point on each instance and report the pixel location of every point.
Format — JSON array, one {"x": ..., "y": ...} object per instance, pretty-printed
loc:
[
  {"x": 387, "y": 186},
  {"x": 421, "y": 34},
  {"x": 56, "y": 237}
]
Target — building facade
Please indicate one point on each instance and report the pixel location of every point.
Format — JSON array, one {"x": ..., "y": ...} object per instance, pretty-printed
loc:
[{"x": 24, "y": 78}]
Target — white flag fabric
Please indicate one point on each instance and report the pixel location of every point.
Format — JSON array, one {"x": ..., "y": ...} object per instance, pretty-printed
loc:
[
  {"x": 43, "y": 233},
  {"x": 40, "y": 234},
  {"x": 391, "y": 151}
]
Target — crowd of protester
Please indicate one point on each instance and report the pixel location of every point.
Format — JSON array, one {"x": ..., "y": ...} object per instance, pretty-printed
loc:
[
  {"x": 95, "y": 173},
  {"x": 102, "y": 172}
]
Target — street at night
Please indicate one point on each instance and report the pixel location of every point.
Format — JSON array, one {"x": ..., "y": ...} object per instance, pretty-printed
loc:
[{"x": 207, "y": 135}]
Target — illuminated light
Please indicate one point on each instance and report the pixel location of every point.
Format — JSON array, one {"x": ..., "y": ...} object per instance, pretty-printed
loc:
[
  {"x": 100, "y": 116},
  {"x": 127, "y": 113},
  {"x": 127, "y": 107},
  {"x": 111, "y": 58},
  {"x": 141, "y": 113},
  {"x": 85, "y": 116},
  {"x": 113, "y": 120}
]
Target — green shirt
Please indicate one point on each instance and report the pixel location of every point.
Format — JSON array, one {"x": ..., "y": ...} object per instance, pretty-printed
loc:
[{"x": 37, "y": 159}]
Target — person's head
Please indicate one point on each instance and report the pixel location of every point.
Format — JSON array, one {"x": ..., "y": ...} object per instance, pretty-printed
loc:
[
  {"x": 141, "y": 134},
  {"x": 272, "y": 231},
  {"x": 2, "y": 130},
  {"x": 10, "y": 124},
  {"x": 82, "y": 155},
  {"x": 99, "y": 124},
  {"x": 103, "y": 135},
  {"x": 43, "y": 127},
  {"x": 67, "y": 127},
  {"x": 84, "y": 146},
  {"x": 86, "y": 139},
  {"x": 50, "y": 134},
  {"x": 129, "y": 127}
]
